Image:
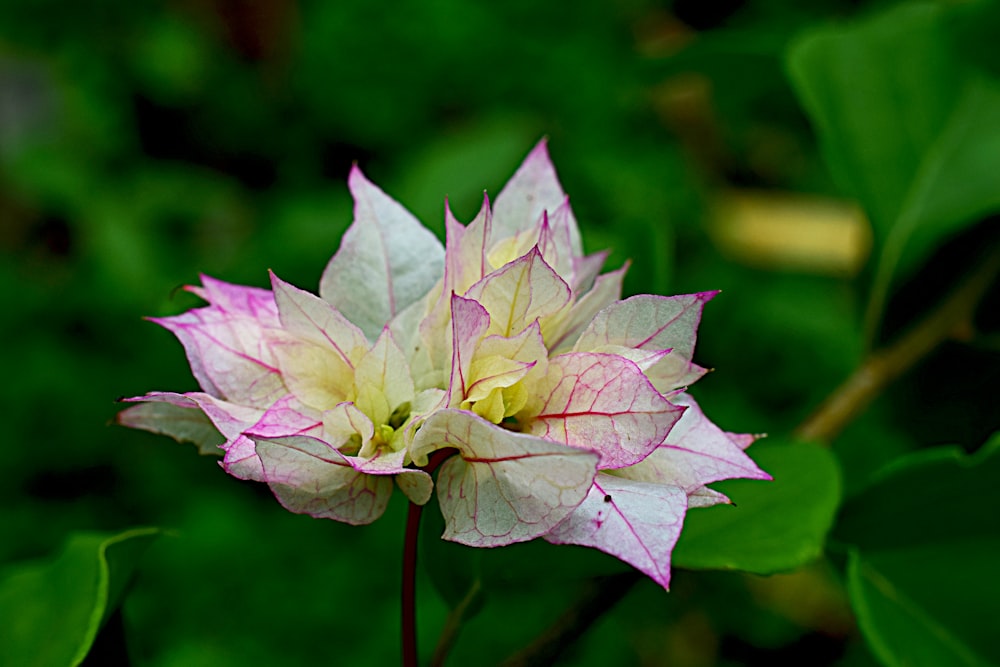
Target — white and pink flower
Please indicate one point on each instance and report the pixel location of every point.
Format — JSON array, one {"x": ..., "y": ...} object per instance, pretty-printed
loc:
[{"x": 564, "y": 406}]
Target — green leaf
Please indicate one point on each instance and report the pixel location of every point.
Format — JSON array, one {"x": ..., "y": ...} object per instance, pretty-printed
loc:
[
  {"x": 774, "y": 526},
  {"x": 904, "y": 621},
  {"x": 906, "y": 125},
  {"x": 52, "y": 610},
  {"x": 925, "y": 497},
  {"x": 921, "y": 573}
]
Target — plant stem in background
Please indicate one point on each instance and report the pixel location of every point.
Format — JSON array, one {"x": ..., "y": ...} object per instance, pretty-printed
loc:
[
  {"x": 602, "y": 595},
  {"x": 842, "y": 406},
  {"x": 883, "y": 366},
  {"x": 452, "y": 626}
]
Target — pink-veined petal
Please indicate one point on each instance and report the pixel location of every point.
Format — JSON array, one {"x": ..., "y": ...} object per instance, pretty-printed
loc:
[
  {"x": 465, "y": 264},
  {"x": 469, "y": 322},
  {"x": 416, "y": 484},
  {"x": 315, "y": 373},
  {"x": 287, "y": 417},
  {"x": 503, "y": 487},
  {"x": 532, "y": 189},
  {"x": 382, "y": 380},
  {"x": 499, "y": 363},
  {"x": 182, "y": 423},
  {"x": 252, "y": 302},
  {"x": 553, "y": 241},
  {"x": 602, "y": 402},
  {"x": 345, "y": 421},
  {"x": 637, "y": 522},
  {"x": 606, "y": 290},
  {"x": 654, "y": 323},
  {"x": 465, "y": 250},
  {"x": 240, "y": 459},
  {"x": 519, "y": 293},
  {"x": 229, "y": 351},
  {"x": 585, "y": 270},
  {"x": 527, "y": 346},
  {"x": 308, "y": 476},
  {"x": 743, "y": 440},
  {"x": 386, "y": 261},
  {"x": 229, "y": 418},
  {"x": 696, "y": 452},
  {"x": 706, "y": 497},
  {"x": 311, "y": 318}
]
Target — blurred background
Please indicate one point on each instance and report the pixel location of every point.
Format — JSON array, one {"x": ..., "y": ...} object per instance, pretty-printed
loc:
[{"x": 144, "y": 143}]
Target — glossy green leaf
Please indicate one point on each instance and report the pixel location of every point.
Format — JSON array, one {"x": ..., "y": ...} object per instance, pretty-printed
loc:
[
  {"x": 906, "y": 125},
  {"x": 772, "y": 526},
  {"x": 924, "y": 541},
  {"x": 909, "y": 624},
  {"x": 52, "y": 610},
  {"x": 925, "y": 497}
]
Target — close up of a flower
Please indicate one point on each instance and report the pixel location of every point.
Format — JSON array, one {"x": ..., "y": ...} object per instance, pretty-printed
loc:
[{"x": 503, "y": 362}]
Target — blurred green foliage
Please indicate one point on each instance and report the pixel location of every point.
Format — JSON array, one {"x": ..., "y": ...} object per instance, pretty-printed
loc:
[
  {"x": 142, "y": 143},
  {"x": 52, "y": 611}
]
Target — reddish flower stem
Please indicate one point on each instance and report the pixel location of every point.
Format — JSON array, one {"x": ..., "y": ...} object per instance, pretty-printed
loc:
[
  {"x": 409, "y": 590},
  {"x": 409, "y": 587}
]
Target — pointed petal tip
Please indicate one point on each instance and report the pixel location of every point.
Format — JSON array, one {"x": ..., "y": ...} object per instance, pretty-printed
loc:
[
  {"x": 275, "y": 280},
  {"x": 709, "y": 295},
  {"x": 542, "y": 146},
  {"x": 358, "y": 182},
  {"x": 539, "y": 154}
]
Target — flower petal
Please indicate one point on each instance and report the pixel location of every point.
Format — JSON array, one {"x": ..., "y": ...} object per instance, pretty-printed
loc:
[
  {"x": 469, "y": 322},
  {"x": 310, "y": 318},
  {"x": 602, "y": 402},
  {"x": 228, "y": 349},
  {"x": 344, "y": 421},
  {"x": 287, "y": 417},
  {"x": 316, "y": 374},
  {"x": 465, "y": 250},
  {"x": 532, "y": 189},
  {"x": 585, "y": 270},
  {"x": 382, "y": 380},
  {"x": 308, "y": 476},
  {"x": 386, "y": 261},
  {"x": 183, "y": 424},
  {"x": 416, "y": 484},
  {"x": 696, "y": 452},
  {"x": 503, "y": 487},
  {"x": 653, "y": 323},
  {"x": 555, "y": 240},
  {"x": 706, "y": 497},
  {"x": 743, "y": 440},
  {"x": 252, "y": 302},
  {"x": 519, "y": 293},
  {"x": 606, "y": 290},
  {"x": 637, "y": 522},
  {"x": 230, "y": 419}
]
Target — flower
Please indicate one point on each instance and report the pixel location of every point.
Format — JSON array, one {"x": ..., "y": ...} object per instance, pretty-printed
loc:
[{"x": 565, "y": 406}]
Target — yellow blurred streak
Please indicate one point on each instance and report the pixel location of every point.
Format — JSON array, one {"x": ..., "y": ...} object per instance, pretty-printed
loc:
[
  {"x": 790, "y": 231},
  {"x": 811, "y": 597}
]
